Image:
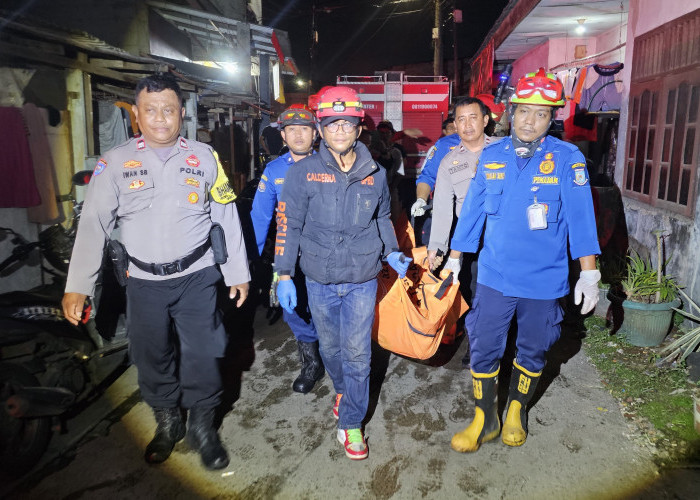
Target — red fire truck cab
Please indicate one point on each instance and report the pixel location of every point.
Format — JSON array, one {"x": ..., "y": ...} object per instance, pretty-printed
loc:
[{"x": 408, "y": 102}]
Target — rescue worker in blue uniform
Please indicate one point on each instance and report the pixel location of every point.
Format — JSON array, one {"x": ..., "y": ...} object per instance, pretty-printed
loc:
[
  {"x": 170, "y": 196},
  {"x": 298, "y": 129},
  {"x": 335, "y": 209},
  {"x": 533, "y": 194}
]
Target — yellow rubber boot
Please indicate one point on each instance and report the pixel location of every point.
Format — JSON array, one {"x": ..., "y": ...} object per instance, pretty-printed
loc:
[
  {"x": 485, "y": 425},
  {"x": 522, "y": 388}
]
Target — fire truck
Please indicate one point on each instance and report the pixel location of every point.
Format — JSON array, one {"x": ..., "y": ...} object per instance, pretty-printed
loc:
[{"x": 408, "y": 102}]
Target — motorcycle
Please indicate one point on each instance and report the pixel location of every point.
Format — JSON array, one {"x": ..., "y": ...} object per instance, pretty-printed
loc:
[{"x": 50, "y": 369}]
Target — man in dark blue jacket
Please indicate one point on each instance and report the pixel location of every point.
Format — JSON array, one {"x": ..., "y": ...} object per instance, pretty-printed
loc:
[{"x": 334, "y": 212}]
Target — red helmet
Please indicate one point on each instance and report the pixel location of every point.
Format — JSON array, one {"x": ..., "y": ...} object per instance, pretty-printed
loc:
[
  {"x": 313, "y": 98},
  {"x": 539, "y": 88},
  {"x": 496, "y": 109},
  {"x": 299, "y": 106},
  {"x": 339, "y": 102},
  {"x": 296, "y": 114}
]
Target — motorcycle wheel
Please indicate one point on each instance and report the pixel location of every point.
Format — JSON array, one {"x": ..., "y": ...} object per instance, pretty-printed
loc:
[{"x": 22, "y": 440}]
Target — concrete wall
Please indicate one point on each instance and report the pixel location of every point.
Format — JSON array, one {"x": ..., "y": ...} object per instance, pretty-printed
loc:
[
  {"x": 562, "y": 50},
  {"x": 530, "y": 61},
  {"x": 683, "y": 241}
]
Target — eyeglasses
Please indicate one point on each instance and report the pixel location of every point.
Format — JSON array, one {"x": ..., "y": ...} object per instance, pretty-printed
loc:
[{"x": 347, "y": 127}]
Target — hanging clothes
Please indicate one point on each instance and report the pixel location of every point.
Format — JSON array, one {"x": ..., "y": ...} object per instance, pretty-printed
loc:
[
  {"x": 18, "y": 186},
  {"x": 573, "y": 131},
  {"x": 42, "y": 161},
  {"x": 578, "y": 82},
  {"x": 112, "y": 131},
  {"x": 603, "y": 88}
]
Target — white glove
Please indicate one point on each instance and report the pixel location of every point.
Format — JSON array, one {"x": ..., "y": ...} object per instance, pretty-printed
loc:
[
  {"x": 454, "y": 264},
  {"x": 417, "y": 210},
  {"x": 587, "y": 289}
]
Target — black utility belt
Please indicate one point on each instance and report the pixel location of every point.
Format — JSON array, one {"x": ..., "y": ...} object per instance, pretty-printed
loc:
[
  {"x": 176, "y": 266},
  {"x": 121, "y": 258}
]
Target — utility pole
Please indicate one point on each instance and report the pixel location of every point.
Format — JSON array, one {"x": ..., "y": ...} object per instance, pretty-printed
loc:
[
  {"x": 312, "y": 49},
  {"x": 437, "y": 40},
  {"x": 456, "y": 18}
]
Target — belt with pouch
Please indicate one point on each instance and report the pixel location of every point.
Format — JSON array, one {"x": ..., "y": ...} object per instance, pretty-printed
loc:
[{"x": 173, "y": 267}]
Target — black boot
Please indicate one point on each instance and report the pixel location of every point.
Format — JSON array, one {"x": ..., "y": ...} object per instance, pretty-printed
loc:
[
  {"x": 202, "y": 436},
  {"x": 311, "y": 367},
  {"x": 522, "y": 388},
  {"x": 485, "y": 426},
  {"x": 170, "y": 430}
]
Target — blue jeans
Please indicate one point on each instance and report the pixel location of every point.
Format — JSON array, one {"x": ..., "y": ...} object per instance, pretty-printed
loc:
[
  {"x": 344, "y": 315},
  {"x": 488, "y": 321}
]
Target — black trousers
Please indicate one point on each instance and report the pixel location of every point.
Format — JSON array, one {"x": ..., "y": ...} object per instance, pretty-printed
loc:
[{"x": 176, "y": 339}]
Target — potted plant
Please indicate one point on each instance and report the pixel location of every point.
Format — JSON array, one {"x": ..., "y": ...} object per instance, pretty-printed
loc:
[
  {"x": 651, "y": 297},
  {"x": 682, "y": 347}
]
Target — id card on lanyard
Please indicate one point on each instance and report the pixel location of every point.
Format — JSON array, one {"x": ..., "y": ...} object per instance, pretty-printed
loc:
[{"x": 537, "y": 216}]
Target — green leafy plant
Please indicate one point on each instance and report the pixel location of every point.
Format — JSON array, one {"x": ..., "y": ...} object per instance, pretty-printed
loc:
[
  {"x": 644, "y": 284},
  {"x": 689, "y": 341}
]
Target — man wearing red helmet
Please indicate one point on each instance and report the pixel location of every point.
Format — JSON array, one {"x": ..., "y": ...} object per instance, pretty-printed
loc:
[
  {"x": 334, "y": 214},
  {"x": 297, "y": 125},
  {"x": 533, "y": 195}
]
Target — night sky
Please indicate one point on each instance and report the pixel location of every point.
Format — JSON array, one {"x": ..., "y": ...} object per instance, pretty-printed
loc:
[{"x": 357, "y": 37}]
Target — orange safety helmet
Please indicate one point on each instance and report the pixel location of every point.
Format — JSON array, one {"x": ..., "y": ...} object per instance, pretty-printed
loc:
[
  {"x": 296, "y": 114},
  {"x": 539, "y": 88},
  {"x": 339, "y": 102},
  {"x": 496, "y": 109}
]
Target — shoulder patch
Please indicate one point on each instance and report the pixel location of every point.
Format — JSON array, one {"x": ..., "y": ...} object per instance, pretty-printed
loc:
[
  {"x": 580, "y": 177},
  {"x": 431, "y": 152},
  {"x": 99, "y": 168},
  {"x": 221, "y": 191}
]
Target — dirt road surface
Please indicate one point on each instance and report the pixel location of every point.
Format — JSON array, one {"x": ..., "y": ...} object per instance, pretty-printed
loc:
[{"x": 283, "y": 444}]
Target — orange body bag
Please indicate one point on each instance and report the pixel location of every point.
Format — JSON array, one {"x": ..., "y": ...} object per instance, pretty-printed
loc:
[{"x": 413, "y": 313}]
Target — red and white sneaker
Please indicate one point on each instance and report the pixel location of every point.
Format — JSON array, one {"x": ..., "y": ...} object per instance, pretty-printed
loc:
[
  {"x": 336, "y": 405},
  {"x": 354, "y": 442}
]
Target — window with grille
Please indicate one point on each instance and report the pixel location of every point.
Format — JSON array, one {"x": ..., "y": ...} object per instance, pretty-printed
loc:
[{"x": 663, "y": 140}]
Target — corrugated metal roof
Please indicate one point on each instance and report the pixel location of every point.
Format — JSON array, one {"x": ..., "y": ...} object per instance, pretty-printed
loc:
[
  {"x": 213, "y": 79},
  {"x": 80, "y": 39}
]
